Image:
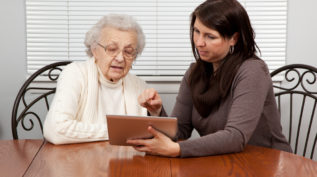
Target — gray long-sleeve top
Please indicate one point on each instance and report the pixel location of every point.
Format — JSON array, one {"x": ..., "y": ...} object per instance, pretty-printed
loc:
[{"x": 249, "y": 115}]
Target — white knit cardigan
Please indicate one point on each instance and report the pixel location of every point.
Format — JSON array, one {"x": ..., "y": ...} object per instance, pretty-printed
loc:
[{"x": 76, "y": 114}]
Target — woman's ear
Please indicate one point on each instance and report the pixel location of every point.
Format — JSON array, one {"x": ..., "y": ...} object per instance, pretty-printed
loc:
[
  {"x": 93, "y": 49},
  {"x": 234, "y": 39}
]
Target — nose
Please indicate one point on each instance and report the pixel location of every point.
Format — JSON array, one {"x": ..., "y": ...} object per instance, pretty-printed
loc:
[
  {"x": 200, "y": 41},
  {"x": 119, "y": 57}
]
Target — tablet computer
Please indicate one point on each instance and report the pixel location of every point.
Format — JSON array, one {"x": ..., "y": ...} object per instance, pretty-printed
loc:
[{"x": 123, "y": 127}]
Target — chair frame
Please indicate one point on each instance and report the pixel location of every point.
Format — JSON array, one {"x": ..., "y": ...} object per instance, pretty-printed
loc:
[
  {"x": 20, "y": 117},
  {"x": 303, "y": 83}
]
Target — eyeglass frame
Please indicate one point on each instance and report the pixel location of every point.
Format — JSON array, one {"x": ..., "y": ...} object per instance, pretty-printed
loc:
[{"x": 122, "y": 50}]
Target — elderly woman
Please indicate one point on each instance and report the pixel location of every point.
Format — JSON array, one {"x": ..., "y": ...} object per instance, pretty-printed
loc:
[{"x": 87, "y": 91}]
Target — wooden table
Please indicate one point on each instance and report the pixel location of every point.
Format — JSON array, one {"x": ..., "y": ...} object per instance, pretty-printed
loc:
[
  {"x": 17, "y": 155},
  {"x": 103, "y": 159}
]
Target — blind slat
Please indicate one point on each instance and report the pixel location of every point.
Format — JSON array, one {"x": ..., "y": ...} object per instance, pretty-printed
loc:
[{"x": 56, "y": 31}]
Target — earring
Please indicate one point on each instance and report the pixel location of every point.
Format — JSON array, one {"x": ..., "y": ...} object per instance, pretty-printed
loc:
[
  {"x": 197, "y": 54},
  {"x": 231, "y": 49},
  {"x": 131, "y": 67}
]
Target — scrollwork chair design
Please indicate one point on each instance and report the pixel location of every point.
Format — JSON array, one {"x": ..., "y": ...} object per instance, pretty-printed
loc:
[
  {"x": 29, "y": 96},
  {"x": 295, "y": 88}
]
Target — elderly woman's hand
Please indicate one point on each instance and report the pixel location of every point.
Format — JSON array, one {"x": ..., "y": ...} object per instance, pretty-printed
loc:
[
  {"x": 151, "y": 100},
  {"x": 158, "y": 145}
]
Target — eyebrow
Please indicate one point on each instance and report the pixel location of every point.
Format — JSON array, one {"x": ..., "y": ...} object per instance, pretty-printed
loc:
[
  {"x": 112, "y": 43},
  {"x": 208, "y": 33},
  {"x": 129, "y": 45},
  {"x": 115, "y": 43}
]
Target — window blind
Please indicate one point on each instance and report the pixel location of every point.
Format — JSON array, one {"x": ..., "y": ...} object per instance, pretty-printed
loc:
[{"x": 56, "y": 31}]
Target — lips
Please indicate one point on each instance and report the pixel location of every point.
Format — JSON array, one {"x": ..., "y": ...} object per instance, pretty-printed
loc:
[
  {"x": 203, "y": 53},
  {"x": 117, "y": 67}
]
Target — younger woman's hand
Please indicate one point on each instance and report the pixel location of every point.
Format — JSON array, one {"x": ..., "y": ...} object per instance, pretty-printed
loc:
[{"x": 158, "y": 145}]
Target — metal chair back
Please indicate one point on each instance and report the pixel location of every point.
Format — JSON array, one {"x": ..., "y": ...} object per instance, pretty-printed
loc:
[
  {"x": 295, "y": 89},
  {"x": 33, "y": 93}
]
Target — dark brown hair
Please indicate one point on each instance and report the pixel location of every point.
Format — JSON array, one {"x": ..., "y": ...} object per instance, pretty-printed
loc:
[{"x": 227, "y": 17}]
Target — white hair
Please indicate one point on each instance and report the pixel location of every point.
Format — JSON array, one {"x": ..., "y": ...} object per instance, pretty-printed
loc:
[{"x": 120, "y": 21}]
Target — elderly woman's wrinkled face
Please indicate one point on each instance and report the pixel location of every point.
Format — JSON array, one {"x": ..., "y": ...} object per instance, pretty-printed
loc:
[{"x": 115, "y": 52}]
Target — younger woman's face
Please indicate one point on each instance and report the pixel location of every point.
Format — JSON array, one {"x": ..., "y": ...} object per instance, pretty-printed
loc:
[{"x": 211, "y": 46}]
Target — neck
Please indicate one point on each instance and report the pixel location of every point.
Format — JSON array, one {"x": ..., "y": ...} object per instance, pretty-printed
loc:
[{"x": 216, "y": 66}]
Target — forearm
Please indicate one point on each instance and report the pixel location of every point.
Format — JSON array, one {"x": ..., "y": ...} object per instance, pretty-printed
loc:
[
  {"x": 222, "y": 142},
  {"x": 65, "y": 131}
]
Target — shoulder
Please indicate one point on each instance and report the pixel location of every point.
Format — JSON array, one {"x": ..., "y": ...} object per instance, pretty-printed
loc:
[
  {"x": 253, "y": 72},
  {"x": 189, "y": 70},
  {"x": 76, "y": 67},
  {"x": 253, "y": 66},
  {"x": 75, "y": 72}
]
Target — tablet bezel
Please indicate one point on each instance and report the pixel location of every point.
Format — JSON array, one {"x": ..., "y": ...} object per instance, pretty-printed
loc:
[{"x": 124, "y": 127}]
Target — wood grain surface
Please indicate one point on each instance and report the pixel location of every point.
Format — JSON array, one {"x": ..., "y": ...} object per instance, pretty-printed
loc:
[
  {"x": 96, "y": 159},
  {"x": 17, "y": 155},
  {"x": 254, "y": 161},
  {"x": 102, "y": 159}
]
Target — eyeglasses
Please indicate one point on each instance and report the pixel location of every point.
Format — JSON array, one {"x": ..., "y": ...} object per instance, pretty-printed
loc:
[{"x": 112, "y": 50}]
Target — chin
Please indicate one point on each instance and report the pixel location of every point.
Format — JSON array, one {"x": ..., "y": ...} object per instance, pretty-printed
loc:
[
  {"x": 116, "y": 76},
  {"x": 206, "y": 59},
  {"x": 210, "y": 59}
]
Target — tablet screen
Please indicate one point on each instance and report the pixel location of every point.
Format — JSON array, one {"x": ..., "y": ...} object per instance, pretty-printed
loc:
[{"x": 122, "y": 127}]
